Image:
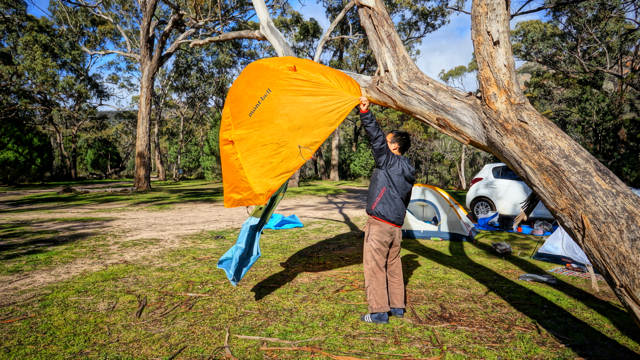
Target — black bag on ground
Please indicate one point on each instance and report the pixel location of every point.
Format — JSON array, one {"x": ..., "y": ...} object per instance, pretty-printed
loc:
[{"x": 505, "y": 222}]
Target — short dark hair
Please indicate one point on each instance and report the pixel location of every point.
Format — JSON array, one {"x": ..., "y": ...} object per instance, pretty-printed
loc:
[{"x": 403, "y": 140}]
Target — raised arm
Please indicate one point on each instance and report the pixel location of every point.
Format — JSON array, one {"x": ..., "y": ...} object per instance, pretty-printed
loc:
[{"x": 374, "y": 133}]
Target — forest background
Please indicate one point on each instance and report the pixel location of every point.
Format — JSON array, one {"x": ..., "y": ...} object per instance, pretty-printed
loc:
[{"x": 69, "y": 108}]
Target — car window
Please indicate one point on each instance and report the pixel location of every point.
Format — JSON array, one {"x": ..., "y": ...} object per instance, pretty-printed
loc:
[
  {"x": 506, "y": 174},
  {"x": 496, "y": 172}
]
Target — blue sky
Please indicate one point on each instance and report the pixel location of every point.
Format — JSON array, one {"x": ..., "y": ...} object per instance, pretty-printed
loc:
[{"x": 445, "y": 48}]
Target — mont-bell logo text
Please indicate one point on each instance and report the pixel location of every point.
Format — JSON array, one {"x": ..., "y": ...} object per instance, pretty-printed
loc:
[{"x": 255, "y": 108}]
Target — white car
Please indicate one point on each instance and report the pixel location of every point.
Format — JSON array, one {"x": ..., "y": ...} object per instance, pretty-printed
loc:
[{"x": 498, "y": 188}]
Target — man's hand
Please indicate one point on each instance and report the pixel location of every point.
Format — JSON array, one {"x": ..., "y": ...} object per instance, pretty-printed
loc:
[{"x": 364, "y": 104}]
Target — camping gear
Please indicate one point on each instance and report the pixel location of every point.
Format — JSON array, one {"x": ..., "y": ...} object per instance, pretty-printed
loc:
[
  {"x": 505, "y": 221},
  {"x": 560, "y": 248},
  {"x": 281, "y": 222},
  {"x": 241, "y": 257},
  {"x": 432, "y": 213},
  {"x": 538, "y": 278},
  {"x": 580, "y": 274},
  {"x": 276, "y": 115},
  {"x": 490, "y": 223},
  {"x": 501, "y": 247}
]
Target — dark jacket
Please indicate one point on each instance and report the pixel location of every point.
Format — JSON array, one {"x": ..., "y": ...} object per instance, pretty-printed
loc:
[{"x": 392, "y": 180}]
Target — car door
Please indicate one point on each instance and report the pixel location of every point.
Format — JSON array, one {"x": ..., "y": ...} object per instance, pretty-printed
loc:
[{"x": 507, "y": 190}]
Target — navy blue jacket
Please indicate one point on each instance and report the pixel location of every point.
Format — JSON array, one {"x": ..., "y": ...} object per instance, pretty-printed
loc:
[{"x": 392, "y": 180}]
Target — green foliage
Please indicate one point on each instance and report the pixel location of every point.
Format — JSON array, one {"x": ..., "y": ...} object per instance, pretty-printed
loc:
[
  {"x": 210, "y": 161},
  {"x": 25, "y": 153},
  {"x": 101, "y": 155},
  {"x": 362, "y": 162}
]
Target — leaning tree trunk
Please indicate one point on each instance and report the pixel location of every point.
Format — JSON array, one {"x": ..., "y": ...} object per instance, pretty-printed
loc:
[
  {"x": 335, "y": 156},
  {"x": 587, "y": 199}
]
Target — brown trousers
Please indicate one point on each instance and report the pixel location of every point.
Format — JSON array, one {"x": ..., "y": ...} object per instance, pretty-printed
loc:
[{"x": 383, "y": 280}]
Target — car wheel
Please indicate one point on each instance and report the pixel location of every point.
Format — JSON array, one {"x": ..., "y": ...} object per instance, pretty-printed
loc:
[{"x": 481, "y": 206}]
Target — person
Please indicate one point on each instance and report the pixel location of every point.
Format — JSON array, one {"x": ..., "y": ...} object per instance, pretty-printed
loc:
[{"x": 387, "y": 200}]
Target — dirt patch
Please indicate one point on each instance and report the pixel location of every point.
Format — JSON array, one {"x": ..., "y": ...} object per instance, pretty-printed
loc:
[{"x": 168, "y": 229}]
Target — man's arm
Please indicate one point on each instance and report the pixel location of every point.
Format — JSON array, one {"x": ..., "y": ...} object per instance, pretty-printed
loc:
[{"x": 374, "y": 133}]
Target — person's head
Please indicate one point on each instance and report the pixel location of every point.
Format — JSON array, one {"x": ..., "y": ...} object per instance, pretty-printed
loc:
[{"x": 399, "y": 142}]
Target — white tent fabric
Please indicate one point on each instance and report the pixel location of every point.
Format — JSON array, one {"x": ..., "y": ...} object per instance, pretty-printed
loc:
[
  {"x": 560, "y": 248},
  {"x": 432, "y": 213}
]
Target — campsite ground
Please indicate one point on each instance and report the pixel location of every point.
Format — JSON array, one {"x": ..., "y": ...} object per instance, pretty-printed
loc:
[{"x": 133, "y": 275}]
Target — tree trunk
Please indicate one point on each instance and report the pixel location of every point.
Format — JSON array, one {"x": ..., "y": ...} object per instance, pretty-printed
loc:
[
  {"x": 54, "y": 163},
  {"x": 593, "y": 205},
  {"x": 321, "y": 166},
  {"x": 176, "y": 169},
  {"x": 162, "y": 172},
  {"x": 294, "y": 181},
  {"x": 63, "y": 152},
  {"x": 335, "y": 156},
  {"x": 74, "y": 154},
  {"x": 461, "y": 175},
  {"x": 142, "y": 177},
  {"x": 356, "y": 135}
]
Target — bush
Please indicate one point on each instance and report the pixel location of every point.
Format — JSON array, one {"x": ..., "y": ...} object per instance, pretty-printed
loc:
[
  {"x": 362, "y": 162},
  {"x": 210, "y": 161},
  {"x": 101, "y": 156},
  {"x": 25, "y": 153}
]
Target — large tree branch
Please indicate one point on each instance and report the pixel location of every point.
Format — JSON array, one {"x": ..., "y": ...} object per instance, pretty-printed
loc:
[
  {"x": 545, "y": 7},
  {"x": 234, "y": 35},
  {"x": 333, "y": 25},
  {"x": 584, "y": 196},
  {"x": 269, "y": 30}
]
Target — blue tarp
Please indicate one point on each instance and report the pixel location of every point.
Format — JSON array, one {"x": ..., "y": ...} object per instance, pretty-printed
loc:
[
  {"x": 239, "y": 259},
  {"x": 483, "y": 224},
  {"x": 280, "y": 222}
]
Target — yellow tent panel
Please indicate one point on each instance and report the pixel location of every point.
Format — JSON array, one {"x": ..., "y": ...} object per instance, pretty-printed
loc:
[{"x": 276, "y": 115}]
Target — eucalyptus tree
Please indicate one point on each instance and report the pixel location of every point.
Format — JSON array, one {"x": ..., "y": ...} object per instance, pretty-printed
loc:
[
  {"x": 584, "y": 63},
  {"x": 145, "y": 35},
  {"x": 52, "y": 82}
]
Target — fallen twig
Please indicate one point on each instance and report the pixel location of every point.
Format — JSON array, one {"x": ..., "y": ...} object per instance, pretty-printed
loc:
[
  {"x": 312, "y": 350},
  {"x": 113, "y": 307},
  {"x": 415, "y": 314},
  {"x": 18, "y": 319},
  {"x": 142, "y": 303},
  {"x": 277, "y": 340},
  {"x": 177, "y": 353},
  {"x": 226, "y": 345},
  {"x": 170, "y": 310}
]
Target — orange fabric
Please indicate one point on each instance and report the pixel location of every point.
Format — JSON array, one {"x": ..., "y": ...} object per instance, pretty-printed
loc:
[{"x": 276, "y": 115}]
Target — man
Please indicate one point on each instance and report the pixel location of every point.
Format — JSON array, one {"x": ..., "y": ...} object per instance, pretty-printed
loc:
[{"x": 389, "y": 194}]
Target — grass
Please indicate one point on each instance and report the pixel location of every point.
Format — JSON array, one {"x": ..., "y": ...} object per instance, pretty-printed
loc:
[
  {"x": 40, "y": 244},
  {"x": 58, "y": 184},
  {"x": 163, "y": 196},
  {"x": 465, "y": 302}
]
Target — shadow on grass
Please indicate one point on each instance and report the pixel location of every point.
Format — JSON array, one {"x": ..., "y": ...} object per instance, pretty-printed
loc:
[
  {"x": 571, "y": 331},
  {"x": 54, "y": 201},
  {"x": 618, "y": 317},
  {"x": 18, "y": 239}
]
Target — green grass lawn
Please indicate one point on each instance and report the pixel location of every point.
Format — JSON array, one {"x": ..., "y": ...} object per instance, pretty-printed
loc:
[
  {"x": 164, "y": 195},
  {"x": 305, "y": 296}
]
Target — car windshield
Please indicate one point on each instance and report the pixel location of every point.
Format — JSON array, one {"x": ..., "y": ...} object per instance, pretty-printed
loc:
[{"x": 503, "y": 172}]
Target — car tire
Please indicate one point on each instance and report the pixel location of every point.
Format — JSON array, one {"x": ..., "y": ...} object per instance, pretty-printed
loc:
[{"x": 481, "y": 206}]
